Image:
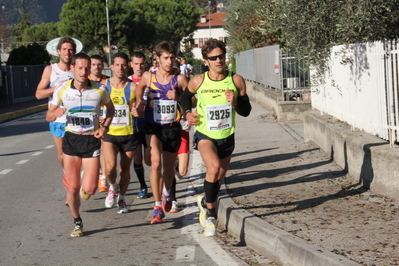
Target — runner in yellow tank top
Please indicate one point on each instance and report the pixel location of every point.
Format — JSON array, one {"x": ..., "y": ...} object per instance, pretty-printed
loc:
[
  {"x": 120, "y": 138},
  {"x": 220, "y": 95}
]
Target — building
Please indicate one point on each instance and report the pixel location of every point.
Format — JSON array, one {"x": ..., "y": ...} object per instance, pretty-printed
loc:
[{"x": 208, "y": 27}]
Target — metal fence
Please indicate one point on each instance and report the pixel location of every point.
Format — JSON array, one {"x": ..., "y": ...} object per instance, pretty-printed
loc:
[{"x": 275, "y": 69}]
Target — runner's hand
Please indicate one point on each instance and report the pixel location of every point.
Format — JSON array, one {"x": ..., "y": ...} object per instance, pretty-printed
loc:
[{"x": 230, "y": 97}]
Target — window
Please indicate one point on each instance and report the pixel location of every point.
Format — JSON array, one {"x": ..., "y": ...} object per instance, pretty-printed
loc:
[{"x": 201, "y": 42}]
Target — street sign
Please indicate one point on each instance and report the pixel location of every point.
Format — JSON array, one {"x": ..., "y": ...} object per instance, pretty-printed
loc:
[{"x": 51, "y": 46}]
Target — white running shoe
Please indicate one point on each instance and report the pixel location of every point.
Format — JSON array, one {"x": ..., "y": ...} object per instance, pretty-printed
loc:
[
  {"x": 110, "y": 199},
  {"x": 211, "y": 225},
  {"x": 122, "y": 207},
  {"x": 175, "y": 207}
]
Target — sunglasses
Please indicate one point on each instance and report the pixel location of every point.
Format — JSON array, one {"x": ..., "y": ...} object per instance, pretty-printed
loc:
[{"x": 213, "y": 58}]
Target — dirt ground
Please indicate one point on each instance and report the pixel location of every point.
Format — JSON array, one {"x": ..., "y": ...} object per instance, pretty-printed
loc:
[{"x": 296, "y": 187}]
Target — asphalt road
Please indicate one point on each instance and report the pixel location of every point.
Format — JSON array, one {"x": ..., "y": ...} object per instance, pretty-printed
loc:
[{"x": 35, "y": 224}]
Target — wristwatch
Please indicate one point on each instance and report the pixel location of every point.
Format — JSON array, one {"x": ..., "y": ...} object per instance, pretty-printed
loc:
[{"x": 106, "y": 128}]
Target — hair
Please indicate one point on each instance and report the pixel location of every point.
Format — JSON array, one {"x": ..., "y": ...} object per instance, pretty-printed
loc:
[
  {"x": 66, "y": 39},
  {"x": 163, "y": 47},
  {"x": 137, "y": 54},
  {"x": 121, "y": 55},
  {"x": 210, "y": 45},
  {"x": 79, "y": 56},
  {"x": 98, "y": 57}
]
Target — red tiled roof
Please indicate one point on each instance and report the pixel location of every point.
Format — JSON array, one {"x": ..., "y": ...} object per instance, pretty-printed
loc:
[{"x": 217, "y": 20}]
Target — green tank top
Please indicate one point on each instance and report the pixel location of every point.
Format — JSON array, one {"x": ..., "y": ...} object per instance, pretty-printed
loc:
[{"x": 216, "y": 114}]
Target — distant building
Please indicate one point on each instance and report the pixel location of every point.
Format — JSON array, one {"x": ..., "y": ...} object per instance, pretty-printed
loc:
[{"x": 208, "y": 27}]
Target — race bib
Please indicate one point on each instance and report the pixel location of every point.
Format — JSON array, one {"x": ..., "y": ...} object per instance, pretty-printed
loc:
[
  {"x": 121, "y": 116},
  {"x": 80, "y": 122},
  {"x": 218, "y": 117},
  {"x": 164, "y": 111}
]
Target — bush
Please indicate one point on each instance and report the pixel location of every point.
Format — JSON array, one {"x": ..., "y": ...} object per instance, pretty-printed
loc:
[{"x": 33, "y": 54}]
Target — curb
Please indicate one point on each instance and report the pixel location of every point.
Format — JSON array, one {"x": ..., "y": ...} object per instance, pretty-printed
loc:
[
  {"x": 270, "y": 241},
  {"x": 21, "y": 113}
]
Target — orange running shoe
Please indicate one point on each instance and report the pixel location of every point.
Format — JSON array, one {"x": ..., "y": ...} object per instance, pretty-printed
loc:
[
  {"x": 158, "y": 215},
  {"x": 102, "y": 184}
]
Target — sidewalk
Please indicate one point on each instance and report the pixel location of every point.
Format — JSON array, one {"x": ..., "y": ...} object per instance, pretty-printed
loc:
[
  {"x": 287, "y": 200},
  {"x": 15, "y": 111}
]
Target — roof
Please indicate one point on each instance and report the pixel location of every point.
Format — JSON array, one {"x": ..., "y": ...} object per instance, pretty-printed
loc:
[{"x": 217, "y": 20}]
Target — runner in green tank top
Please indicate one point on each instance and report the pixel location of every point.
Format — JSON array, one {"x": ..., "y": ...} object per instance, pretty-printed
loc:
[{"x": 221, "y": 94}]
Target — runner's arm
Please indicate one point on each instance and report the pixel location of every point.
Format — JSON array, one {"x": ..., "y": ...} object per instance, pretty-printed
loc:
[
  {"x": 243, "y": 106},
  {"x": 42, "y": 90}
]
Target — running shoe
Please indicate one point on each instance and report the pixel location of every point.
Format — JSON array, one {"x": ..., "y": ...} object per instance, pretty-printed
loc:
[
  {"x": 210, "y": 226},
  {"x": 110, "y": 200},
  {"x": 64, "y": 181},
  {"x": 77, "y": 230},
  {"x": 83, "y": 194},
  {"x": 102, "y": 184},
  {"x": 158, "y": 215},
  {"x": 175, "y": 207},
  {"x": 122, "y": 207},
  {"x": 203, "y": 215},
  {"x": 166, "y": 203},
  {"x": 142, "y": 194}
]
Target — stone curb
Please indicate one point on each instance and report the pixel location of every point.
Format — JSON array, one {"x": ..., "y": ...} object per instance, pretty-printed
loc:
[
  {"x": 270, "y": 241},
  {"x": 21, "y": 113}
]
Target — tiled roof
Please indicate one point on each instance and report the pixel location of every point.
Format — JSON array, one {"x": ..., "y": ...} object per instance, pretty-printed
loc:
[{"x": 217, "y": 20}]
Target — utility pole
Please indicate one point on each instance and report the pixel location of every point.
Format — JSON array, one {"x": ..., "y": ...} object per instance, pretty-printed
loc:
[
  {"x": 109, "y": 43},
  {"x": 210, "y": 33}
]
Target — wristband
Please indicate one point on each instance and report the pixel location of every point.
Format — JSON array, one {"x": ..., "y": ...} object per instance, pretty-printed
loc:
[{"x": 106, "y": 128}]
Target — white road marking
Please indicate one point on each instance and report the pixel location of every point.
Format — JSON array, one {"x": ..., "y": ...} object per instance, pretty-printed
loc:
[
  {"x": 37, "y": 153},
  {"x": 190, "y": 222},
  {"x": 22, "y": 161},
  {"x": 5, "y": 171},
  {"x": 49, "y": 146}
]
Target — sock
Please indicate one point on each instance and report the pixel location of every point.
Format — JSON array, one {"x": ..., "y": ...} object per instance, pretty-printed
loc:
[
  {"x": 165, "y": 191},
  {"x": 77, "y": 220},
  {"x": 121, "y": 197},
  {"x": 139, "y": 169},
  {"x": 212, "y": 213},
  {"x": 211, "y": 191},
  {"x": 113, "y": 186},
  {"x": 158, "y": 203}
]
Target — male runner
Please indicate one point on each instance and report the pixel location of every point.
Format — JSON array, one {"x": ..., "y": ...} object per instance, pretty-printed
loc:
[
  {"x": 52, "y": 76},
  {"x": 80, "y": 102},
  {"x": 97, "y": 66},
  {"x": 221, "y": 94},
  {"x": 162, "y": 127},
  {"x": 120, "y": 138},
  {"x": 137, "y": 63}
]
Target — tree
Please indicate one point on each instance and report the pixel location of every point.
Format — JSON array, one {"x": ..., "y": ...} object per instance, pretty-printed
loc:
[
  {"x": 86, "y": 21},
  {"x": 33, "y": 54},
  {"x": 158, "y": 20},
  {"x": 41, "y": 32},
  {"x": 242, "y": 23},
  {"x": 312, "y": 27},
  {"x": 24, "y": 24}
]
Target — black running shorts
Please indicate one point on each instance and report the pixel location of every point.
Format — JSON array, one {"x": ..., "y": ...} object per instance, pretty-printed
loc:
[{"x": 84, "y": 146}]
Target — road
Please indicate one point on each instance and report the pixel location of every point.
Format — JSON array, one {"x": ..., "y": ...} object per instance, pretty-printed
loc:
[{"x": 35, "y": 224}]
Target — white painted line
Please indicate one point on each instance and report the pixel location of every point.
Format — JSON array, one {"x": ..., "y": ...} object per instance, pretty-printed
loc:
[
  {"x": 49, "y": 146},
  {"x": 185, "y": 253},
  {"x": 22, "y": 161},
  {"x": 5, "y": 171},
  {"x": 191, "y": 225},
  {"x": 37, "y": 153}
]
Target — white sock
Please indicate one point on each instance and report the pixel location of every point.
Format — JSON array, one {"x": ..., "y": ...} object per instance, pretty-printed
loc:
[
  {"x": 165, "y": 191},
  {"x": 120, "y": 197},
  {"x": 158, "y": 203},
  {"x": 113, "y": 186}
]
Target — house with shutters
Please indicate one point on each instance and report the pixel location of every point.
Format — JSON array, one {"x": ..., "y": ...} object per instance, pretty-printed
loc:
[{"x": 209, "y": 26}]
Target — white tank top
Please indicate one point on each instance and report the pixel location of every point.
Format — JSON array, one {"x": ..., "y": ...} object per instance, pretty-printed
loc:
[{"x": 57, "y": 75}]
